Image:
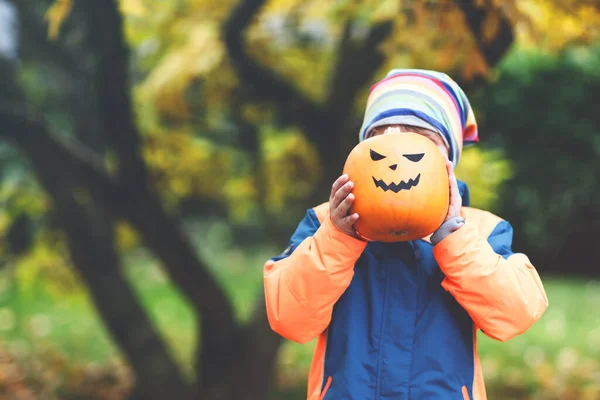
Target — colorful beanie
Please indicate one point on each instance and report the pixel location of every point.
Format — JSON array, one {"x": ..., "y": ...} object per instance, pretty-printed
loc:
[{"x": 426, "y": 99}]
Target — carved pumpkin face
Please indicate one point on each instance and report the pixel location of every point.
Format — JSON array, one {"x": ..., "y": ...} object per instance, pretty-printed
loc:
[{"x": 400, "y": 187}]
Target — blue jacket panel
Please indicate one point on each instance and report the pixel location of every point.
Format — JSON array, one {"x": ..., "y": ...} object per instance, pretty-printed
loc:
[{"x": 395, "y": 333}]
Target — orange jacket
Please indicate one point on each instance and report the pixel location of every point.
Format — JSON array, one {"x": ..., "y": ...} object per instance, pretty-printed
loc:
[{"x": 399, "y": 320}]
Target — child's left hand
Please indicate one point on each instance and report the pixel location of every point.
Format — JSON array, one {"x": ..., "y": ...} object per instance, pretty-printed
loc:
[
  {"x": 455, "y": 200},
  {"x": 454, "y": 206}
]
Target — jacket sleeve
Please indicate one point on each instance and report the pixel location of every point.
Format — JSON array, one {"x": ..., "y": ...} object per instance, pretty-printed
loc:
[
  {"x": 303, "y": 284},
  {"x": 501, "y": 290}
]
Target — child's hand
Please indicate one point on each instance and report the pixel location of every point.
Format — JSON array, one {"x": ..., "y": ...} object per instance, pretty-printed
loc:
[
  {"x": 340, "y": 201},
  {"x": 454, "y": 205},
  {"x": 455, "y": 199}
]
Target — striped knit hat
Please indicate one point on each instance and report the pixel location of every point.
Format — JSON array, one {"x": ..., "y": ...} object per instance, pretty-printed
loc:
[{"x": 427, "y": 99}]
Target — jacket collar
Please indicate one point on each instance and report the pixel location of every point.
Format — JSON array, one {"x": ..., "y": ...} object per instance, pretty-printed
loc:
[{"x": 463, "y": 189}]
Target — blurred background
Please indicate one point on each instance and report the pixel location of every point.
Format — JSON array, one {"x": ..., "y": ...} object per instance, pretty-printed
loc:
[{"x": 154, "y": 154}]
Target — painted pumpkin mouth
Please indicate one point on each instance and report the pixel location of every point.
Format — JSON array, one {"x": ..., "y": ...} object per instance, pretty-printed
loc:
[{"x": 396, "y": 187}]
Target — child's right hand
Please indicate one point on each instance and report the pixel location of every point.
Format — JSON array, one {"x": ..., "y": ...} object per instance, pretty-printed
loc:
[{"x": 340, "y": 202}]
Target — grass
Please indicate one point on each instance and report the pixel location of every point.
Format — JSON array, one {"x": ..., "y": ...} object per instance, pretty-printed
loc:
[{"x": 559, "y": 356}]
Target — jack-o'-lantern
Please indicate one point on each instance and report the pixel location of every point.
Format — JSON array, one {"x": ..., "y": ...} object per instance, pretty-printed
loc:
[{"x": 400, "y": 187}]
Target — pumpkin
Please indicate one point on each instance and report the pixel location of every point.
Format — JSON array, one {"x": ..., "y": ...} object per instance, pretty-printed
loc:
[{"x": 401, "y": 187}]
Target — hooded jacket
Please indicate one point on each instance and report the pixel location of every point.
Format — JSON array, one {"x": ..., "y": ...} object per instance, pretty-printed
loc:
[{"x": 400, "y": 320}]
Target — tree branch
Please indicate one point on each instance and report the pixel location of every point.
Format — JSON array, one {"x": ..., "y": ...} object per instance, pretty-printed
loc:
[
  {"x": 494, "y": 50},
  {"x": 23, "y": 127},
  {"x": 356, "y": 65},
  {"x": 293, "y": 106},
  {"x": 110, "y": 79},
  {"x": 141, "y": 205},
  {"x": 263, "y": 345},
  {"x": 324, "y": 126},
  {"x": 92, "y": 248},
  {"x": 34, "y": 43}
]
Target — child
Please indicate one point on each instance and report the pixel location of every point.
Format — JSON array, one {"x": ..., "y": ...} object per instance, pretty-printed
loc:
[{"x": 400, "y": 320}]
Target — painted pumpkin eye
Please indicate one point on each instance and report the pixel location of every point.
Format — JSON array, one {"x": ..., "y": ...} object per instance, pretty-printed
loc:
[
  {"x": 376, "y": 156},
  {"x": 413, "y": 157}
]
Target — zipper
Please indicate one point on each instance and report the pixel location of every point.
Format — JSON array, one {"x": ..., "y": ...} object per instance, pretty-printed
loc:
[
  {"x": 418, "y": 278},
  {"x": 383, "y": 317}
]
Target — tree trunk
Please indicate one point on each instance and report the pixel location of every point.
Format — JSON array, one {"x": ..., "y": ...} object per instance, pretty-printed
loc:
[{"x": 91, "y": 244}]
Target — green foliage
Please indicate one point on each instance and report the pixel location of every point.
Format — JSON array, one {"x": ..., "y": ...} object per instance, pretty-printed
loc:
[
  {"x": 24, "y": 226},
  {"x": 290, "y": 166},
  {"x": 22, "y": 206},
  {"x": 543, "y": 111},
  {"x": 557, "y": 359},
  {"x": 483, "y": 170}
]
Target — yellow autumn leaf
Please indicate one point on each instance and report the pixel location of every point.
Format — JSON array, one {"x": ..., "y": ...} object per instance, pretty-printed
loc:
[
  {"x": 126, "y": 237},
  {"x": 134, "y": 8},
  {"x": 56, "y": 15},
  {"x": 552, "y": 25},
  {"x": 491, "y": 26},
  {"x": 182, "y": 165},
  {"x": 384, "y": 10},
  {"x": 290, "y": 166},
  {"x": 201, "y": 52},
  {"x": 484, "y": 171},
  {"x": 282, "y": 7},
  {"x": 447, "y": 56},
  {"x": 256, "y": 113},
  {"x": 240, "y": 194},
  {"x": 44, "y": 256}
]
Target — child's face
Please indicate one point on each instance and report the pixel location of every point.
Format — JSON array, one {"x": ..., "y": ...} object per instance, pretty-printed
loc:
[{"x": 399, "y": 129}]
